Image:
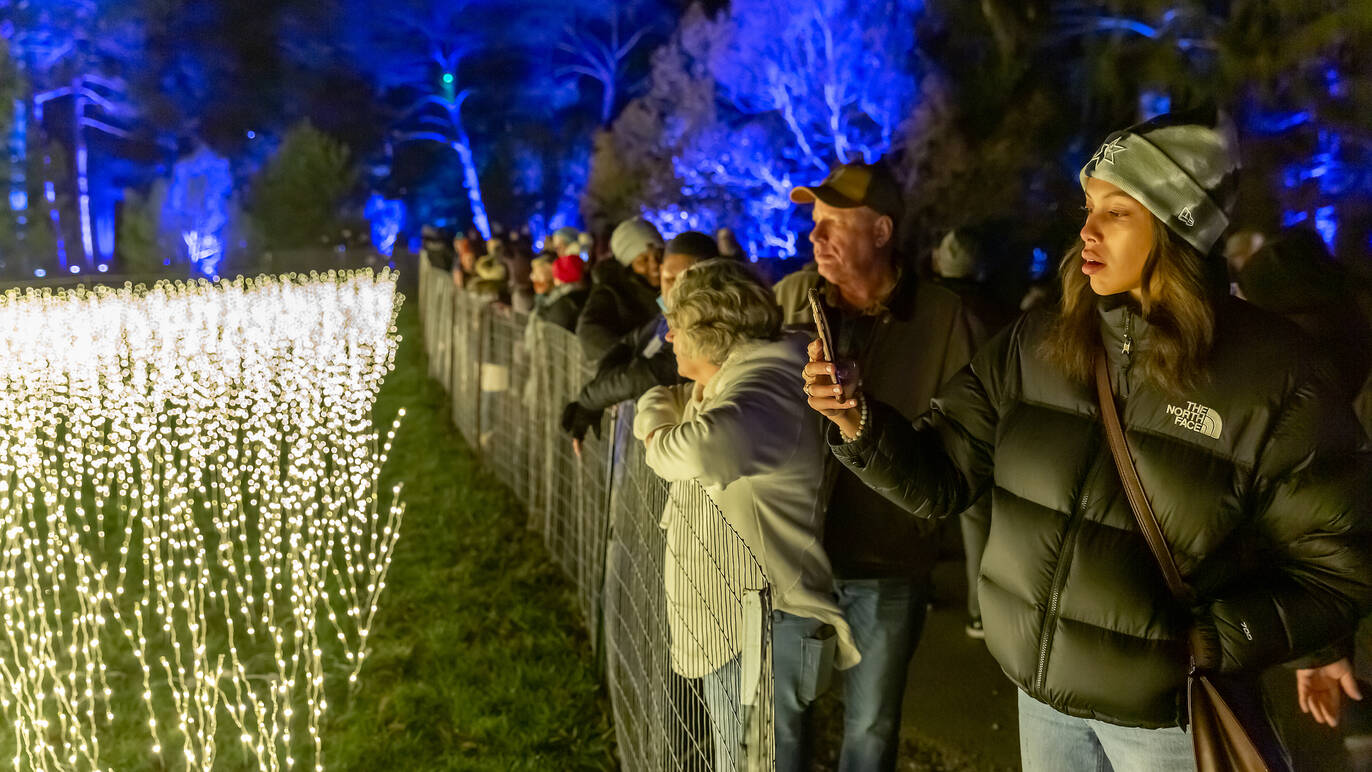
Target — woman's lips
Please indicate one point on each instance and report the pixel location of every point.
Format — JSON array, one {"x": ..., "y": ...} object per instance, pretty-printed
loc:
[{"x": 1091, "y": 264}]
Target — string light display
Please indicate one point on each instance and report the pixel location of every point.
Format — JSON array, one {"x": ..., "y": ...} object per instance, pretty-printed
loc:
[{"x": 190, "y": 511}]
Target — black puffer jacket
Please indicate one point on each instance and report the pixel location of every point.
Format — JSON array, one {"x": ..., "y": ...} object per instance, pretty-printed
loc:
[
  {"x": 1257, "y": 478},
  {"x": 620, "y": 301}
]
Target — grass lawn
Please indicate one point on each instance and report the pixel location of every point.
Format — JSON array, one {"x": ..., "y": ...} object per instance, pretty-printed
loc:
[{"x": 478, "y": 657}]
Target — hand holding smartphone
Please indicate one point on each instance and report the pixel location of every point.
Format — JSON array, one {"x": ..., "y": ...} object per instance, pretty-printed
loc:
[
  {"x": 826, "y": 337},
  {"x": 821, "y": 377}
]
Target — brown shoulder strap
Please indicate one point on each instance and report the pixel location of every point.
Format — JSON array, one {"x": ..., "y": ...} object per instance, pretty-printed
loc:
[{"x": 1133, "y": 488}]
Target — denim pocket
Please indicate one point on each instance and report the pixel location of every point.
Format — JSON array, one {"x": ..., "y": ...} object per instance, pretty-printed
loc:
[{"x": 817, "y": 663}]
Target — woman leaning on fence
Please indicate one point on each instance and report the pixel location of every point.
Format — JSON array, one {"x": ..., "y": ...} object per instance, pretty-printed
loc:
[
  {"x": 742, "y": 430},
  {"x": 1251, "y": 462}
]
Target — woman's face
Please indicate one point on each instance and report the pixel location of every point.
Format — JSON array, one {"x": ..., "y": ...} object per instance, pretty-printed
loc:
[
  {"x": 649, "y": 266},
  {"x": 689, "y": 365},
  {"x": 542, "y": 279},
  {"x": 1116, "y": 239}
]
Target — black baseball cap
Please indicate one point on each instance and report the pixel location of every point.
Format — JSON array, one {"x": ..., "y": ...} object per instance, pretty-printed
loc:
[{"x": 856, "y": 184}]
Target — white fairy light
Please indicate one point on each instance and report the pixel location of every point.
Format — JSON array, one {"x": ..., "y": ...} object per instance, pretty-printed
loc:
[{"x": 190, "y": 512}]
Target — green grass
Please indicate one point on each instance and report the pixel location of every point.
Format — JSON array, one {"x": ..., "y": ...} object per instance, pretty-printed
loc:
[{"x": 478, "y": 657}]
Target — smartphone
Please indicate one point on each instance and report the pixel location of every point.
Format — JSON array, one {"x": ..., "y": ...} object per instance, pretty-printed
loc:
[{"x": 826, "y": 338}]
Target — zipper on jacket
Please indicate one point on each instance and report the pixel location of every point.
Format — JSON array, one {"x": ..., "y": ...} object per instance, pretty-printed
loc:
[
  {"x": 1127, "y": 349},
  {"x": 1050, "y": 618}
]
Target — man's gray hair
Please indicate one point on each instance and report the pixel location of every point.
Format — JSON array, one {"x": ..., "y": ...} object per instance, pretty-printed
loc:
[{"x": 717, "y": 304}]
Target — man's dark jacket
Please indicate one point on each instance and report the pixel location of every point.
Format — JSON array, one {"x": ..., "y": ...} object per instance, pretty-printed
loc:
[
  {"x": 1295, "y": 277},
  {"x": 641, "y": 360},
  {"x": 619, "y": 303},
  {"x": 1257, "y": 475},
  {"x": 905, "y": 353}
]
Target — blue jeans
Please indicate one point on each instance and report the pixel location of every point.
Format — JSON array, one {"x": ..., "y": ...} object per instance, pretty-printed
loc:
[
  {"x": 795, "y": 674},
  {"x": 1050, "y": 741},
  {"x": 726, "y": 715},
  {"x": 887, "y": 617}
]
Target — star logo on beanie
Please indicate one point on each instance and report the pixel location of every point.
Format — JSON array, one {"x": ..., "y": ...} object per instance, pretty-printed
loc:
[
  {"x": 1185, "y": 216},
  {"x": 1108, "y": 151}
]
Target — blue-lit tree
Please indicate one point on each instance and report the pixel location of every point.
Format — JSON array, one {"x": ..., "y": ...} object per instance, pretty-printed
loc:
[
  {"x": 69, "y": 51},
  {"x": 600, "y": 45},
  {"x": 415, "y": 52},
  {"x": 746, "y": 105},
  {"x": 195, "y": 214},
  {"x": 385, "y": 217}
]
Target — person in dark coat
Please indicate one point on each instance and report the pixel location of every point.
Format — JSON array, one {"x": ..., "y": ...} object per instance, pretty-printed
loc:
[
  {"x": 434, "y": 247},
  {"x": 624, "y": 290},
  {"x": 643, "y": 358},
  {"x": 563, "y": 303},
  {"x": 1295, "y": 276},
  {"x": 1246, "y": 446}
]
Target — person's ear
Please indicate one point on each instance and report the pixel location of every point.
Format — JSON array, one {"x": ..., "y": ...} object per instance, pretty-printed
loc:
[{"x": 883, "y": 229}]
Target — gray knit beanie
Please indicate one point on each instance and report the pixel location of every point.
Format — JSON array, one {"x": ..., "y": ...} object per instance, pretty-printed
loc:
[
  {"x": 632, "y": 238},
  {"x": 1181, "y": 169}
]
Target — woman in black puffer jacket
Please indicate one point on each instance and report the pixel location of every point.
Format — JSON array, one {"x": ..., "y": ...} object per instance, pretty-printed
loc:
[{"x": 1253, "y": 463}]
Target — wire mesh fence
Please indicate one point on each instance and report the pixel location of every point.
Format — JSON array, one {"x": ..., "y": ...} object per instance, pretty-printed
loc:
[
  {"x": 670, "y": 594},
  {"x": 688, "y": 666}
]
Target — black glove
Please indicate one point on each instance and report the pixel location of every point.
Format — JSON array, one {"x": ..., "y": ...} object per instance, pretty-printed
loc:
[{"x": 576, "y": 419}]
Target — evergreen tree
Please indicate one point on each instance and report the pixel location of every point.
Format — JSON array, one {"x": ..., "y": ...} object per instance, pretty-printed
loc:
[{"x": 295, "y": 200}]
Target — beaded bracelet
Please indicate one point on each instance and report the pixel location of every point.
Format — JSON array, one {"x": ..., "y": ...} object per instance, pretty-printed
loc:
[{"x": 862, "y": 420}]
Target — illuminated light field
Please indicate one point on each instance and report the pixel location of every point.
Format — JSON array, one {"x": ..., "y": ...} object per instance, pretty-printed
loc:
[{"x": 192, "y": 539}]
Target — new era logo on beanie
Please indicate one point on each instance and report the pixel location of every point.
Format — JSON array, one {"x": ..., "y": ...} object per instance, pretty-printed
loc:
[{"x": 1181, "y": 167}]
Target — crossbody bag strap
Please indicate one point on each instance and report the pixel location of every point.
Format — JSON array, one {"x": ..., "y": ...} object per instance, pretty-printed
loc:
[{"x": 1133, "y": 488}]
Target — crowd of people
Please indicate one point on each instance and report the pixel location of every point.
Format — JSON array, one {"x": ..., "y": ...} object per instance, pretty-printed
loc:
[{"x": 1237, "y": 364}]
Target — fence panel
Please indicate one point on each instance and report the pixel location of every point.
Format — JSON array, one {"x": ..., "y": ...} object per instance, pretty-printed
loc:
[
  {"x": 466, "y": 328},
  {"x": 686, "y": 624},
  {"x": 444, "y": 293},
  {"x": 678, "y": 601},
  {"x": 429, "y": 277},
  {"x": 575, "y": 499},
  {"x": 504, "y": 413}
]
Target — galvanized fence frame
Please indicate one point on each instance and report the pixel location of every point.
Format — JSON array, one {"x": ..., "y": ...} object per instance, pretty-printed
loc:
[{"x": 654, "y": 599}]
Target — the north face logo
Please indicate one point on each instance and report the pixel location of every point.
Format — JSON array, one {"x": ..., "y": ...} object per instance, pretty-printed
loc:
[{"x": 1198, "y": 418}]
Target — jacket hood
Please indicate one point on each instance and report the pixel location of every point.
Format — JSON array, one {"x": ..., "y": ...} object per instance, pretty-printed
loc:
[{"x": 786, "y": 355}]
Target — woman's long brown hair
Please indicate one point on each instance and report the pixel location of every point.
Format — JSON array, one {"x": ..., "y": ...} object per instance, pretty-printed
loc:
[{"x": 1176, "y": 302}]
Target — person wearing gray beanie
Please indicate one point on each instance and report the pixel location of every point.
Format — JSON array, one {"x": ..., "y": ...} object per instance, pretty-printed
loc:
[
  {"x": 633, "y": 239},
  {"x": 1185, "y": 174},
  {"x": 1245, "y": 447},
  {"x": 625, "y": 290}
]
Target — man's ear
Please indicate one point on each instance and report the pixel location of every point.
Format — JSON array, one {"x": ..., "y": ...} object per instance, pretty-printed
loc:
[{"x": 883, "y": 229}]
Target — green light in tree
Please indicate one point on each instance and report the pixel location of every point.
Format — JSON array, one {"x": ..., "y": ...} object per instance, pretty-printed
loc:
[{"x": 447, "y": 79}]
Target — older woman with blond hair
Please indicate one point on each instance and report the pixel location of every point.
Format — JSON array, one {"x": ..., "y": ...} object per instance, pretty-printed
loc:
[{"x": 742, "y": 430}]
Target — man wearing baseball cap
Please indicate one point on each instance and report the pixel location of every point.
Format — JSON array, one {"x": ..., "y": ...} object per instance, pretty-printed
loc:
[{"x": 907, "y": 336}]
